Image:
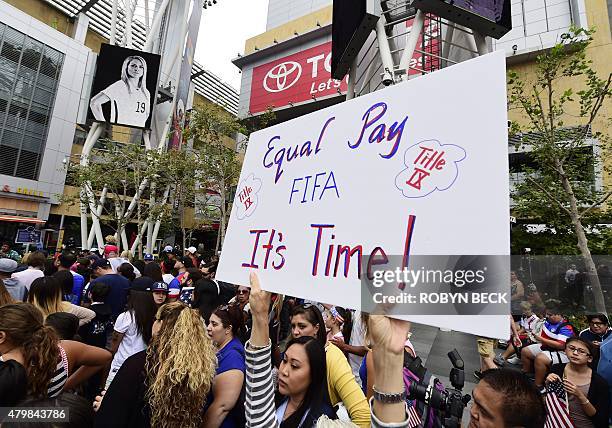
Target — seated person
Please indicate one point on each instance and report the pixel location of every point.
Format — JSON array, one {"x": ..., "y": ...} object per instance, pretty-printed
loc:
[
  {"x": 550, "y": 347},
  {"x": 526, "y": 335}
]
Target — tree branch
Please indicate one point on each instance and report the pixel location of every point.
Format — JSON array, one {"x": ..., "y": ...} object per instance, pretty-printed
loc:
[
  {"x": 595, "y": 204},
  {"x": 549, "y": 195}
]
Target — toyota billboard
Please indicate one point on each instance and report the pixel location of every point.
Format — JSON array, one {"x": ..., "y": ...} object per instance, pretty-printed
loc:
[{"x": 294, "y": 79}]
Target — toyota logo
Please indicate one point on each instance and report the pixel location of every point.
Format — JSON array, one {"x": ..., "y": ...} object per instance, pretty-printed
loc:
[{"x": 282, "y": 76}]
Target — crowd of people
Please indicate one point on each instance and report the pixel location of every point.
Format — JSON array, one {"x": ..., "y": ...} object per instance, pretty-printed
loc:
[
  {"x": 160, "y": 342},
  {"x": 548, "y": 348}
]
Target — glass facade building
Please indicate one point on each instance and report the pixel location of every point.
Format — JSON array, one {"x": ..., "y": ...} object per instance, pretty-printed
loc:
[{"x": 29, "y": 76}]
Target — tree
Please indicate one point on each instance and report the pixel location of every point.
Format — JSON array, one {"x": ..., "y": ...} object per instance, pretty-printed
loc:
[
  {"x": 219, "y": 139},
  {"x": 124, "y": 183},
  {"x": 560, "y": 187}
]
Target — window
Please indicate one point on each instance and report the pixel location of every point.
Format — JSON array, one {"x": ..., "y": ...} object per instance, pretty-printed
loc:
[{"x": 29, "y": 75}]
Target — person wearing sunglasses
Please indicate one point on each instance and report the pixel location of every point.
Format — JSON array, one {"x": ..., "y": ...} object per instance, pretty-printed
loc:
[
  {"x": 587, "y": 391},
  {"x": 224, "y": 408}
]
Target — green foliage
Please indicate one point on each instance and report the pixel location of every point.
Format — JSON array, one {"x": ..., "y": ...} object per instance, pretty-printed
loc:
[
  {"x": 122, "y": 169},
  {"x": 560, "y": 186},
  {"x": 565, "y": 172}
]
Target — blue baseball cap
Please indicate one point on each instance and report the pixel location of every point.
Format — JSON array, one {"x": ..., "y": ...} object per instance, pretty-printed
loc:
[
  {"x": 148, "y": 257},
  {"x": 159, "y": 286}
]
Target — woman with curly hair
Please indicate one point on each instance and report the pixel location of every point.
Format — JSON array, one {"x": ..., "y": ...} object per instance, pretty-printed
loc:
[
  {"x": 51, "y": 365},
  {"x": 165, "y": 385}
]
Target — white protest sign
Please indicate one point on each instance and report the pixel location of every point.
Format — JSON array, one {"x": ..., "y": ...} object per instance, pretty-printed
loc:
[{"x": 419, "y": 167}]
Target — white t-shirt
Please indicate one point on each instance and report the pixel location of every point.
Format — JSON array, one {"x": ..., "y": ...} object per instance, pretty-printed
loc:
[
  {"x": 128, "y": 109},
  {"x": 357, "y": 339},
  {"x": 529, "y": 323},
  {"x": 26, "y": 277},
  {"x": 132, "y": 342}
]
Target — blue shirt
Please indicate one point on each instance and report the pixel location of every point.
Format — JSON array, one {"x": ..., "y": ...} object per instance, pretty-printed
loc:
[
  {"x": 117, "y": 297},
  {"x": 230, "y": 357},
  {"x": 604, "y": 367},
  {"x": 77, "y": 288}
]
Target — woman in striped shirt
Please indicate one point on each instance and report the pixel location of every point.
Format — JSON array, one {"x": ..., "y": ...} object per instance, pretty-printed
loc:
[
  {"x": 302, "y": 373},
  {"x": 50, "y": 364}
]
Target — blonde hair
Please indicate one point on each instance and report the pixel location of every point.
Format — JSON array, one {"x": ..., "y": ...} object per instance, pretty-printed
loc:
[
  {"x": 181, "y": 363},
  {"x": 110, "y": 239},
  {"x": 46, "y": 295},
  {"x": 127, "y": 254}
]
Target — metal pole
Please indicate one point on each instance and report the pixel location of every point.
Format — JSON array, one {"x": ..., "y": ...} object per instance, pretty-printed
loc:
[
  {"x": 446, "y": 43},
  {"x": 157, "y": 223},
  {"x": 385, "y": 51},
  {"x": 127, "y": 40},
  {"x": 481, "y": 44},
  {"x": 411, "y": 42},
  {"x": 94, "y": 133},
  {"x": 350, "y": 94},
  {"x": 157, "y": 18},
  {"x": 98, "y": 213},
  {"x": 146, "y": 6},
  {"x": 113, "y": 35}
]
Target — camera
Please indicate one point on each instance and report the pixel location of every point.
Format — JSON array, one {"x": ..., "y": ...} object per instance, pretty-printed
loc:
[{"x": 450, "y": 402}]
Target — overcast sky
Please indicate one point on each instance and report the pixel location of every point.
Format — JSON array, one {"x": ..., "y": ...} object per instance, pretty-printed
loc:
[{"x": 224, "y": 29}]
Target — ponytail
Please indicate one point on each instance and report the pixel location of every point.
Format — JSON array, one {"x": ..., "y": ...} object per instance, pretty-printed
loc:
[
  {"x": 347, "y": 326},
  {"x": 23, "y": 324},
  {"x": 41, "y": 355}
]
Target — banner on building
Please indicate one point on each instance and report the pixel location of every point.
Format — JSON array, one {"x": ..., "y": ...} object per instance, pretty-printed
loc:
[
  {"x": 294, "y": 79},
  {"x": 396, "y": 172},
  {"x": 124, "y": 88},
  {"x": 179, "y": 115}
]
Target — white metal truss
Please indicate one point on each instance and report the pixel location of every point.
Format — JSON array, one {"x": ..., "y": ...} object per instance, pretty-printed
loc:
[{"x": 407, "y": 43}]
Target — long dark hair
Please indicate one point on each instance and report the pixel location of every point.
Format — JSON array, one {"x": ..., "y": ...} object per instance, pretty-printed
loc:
[
  {"x": 153, "y": 271},
  {"x": 314, "y": 317},
  {"x": 23, "y": 324},
  {"x": 347, "y": 325},
  {"x": 142, "y": 309},
  {"x": 314, "y": 397}
]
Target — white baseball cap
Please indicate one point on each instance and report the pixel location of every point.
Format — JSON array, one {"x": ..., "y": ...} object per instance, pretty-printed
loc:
[{"x": 192, "y": 250}]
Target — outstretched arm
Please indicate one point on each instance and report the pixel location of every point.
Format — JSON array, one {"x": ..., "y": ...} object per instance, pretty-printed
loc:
[{"x": 259, "y": 406}]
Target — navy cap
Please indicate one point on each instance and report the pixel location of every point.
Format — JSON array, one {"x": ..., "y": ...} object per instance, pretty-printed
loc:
[
  {"x": 148, "y": 257},
  {"x": 100, "y": 263},
  {"x": 159, "y": 286}
]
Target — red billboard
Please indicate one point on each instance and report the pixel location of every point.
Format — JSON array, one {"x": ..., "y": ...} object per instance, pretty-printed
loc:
[{"x": 293, "y": 79}]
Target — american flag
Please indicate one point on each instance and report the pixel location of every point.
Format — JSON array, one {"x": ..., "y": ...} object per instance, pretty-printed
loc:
[
  {"x": 414, "y": 420},
  {"x": 557, "y": 407}
]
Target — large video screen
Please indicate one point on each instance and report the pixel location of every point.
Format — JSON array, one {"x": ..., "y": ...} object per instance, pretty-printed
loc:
[
  {"x": 124, "y": 87},
  {"x": 488, "y": 17}
]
